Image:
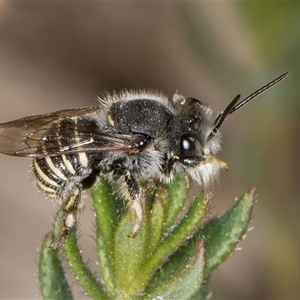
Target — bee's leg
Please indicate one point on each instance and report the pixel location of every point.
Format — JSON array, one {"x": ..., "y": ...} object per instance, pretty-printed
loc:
[
  {"x": 69, "y": 209},
  {"x": 134, "y": 201}
]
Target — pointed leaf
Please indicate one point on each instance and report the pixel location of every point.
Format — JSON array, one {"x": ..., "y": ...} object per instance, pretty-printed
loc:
[
  {"x": 177, "y": 193},
  {"x": 104, "y": 203},
  {"x": 222, "y": 235},
  {"x": 129, "y": 254},
  {"x": 184, "y": 283},
  {"x": 155, "y": 225},
  {"x": 52, "y": 279},
  {"x": 87, "y": 279}
]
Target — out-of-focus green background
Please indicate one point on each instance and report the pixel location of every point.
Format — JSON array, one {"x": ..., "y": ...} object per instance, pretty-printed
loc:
[{"x": 61, "y": 55}]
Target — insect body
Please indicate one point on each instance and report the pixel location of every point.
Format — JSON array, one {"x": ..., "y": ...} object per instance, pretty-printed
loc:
[{"x": 128, "y": 137}]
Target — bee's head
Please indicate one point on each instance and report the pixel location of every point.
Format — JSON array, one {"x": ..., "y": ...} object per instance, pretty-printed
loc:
[
  {"x": 193, "y": 142},
  {"x": 195, "y": 138}
]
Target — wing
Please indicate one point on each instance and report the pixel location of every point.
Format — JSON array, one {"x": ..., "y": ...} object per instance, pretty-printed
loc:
[{"x": 65, "y": 131}]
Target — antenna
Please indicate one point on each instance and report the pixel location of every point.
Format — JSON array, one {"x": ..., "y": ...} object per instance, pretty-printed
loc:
[{"x": 234, "y": 105}]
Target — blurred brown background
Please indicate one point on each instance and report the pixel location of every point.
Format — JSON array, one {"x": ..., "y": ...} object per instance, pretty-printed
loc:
[{"x": 61, "y": 55}]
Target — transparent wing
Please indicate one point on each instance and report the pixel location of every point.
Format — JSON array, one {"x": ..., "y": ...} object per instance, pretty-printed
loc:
[{"x": 56, "y": 133}]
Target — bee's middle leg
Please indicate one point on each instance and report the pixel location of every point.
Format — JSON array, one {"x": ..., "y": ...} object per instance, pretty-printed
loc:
[{"x": 134, "y": 201}]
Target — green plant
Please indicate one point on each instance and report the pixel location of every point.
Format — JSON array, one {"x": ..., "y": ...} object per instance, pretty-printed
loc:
[{"x": 172, "y": 256}]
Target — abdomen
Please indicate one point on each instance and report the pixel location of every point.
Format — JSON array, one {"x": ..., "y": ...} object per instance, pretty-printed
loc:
[{"x": 56, "y": 176}]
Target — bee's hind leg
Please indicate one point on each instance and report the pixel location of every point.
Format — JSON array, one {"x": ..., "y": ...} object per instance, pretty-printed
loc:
[{"x": 70, "y": 209}]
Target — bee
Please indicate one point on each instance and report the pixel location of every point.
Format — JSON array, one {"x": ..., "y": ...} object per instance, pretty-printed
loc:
[{"x": 129, "y": 136}]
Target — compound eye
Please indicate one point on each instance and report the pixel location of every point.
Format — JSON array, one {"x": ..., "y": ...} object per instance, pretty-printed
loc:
[
  {"x": 141, "y": 142},
  {"x": 187, "y": 145}
]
